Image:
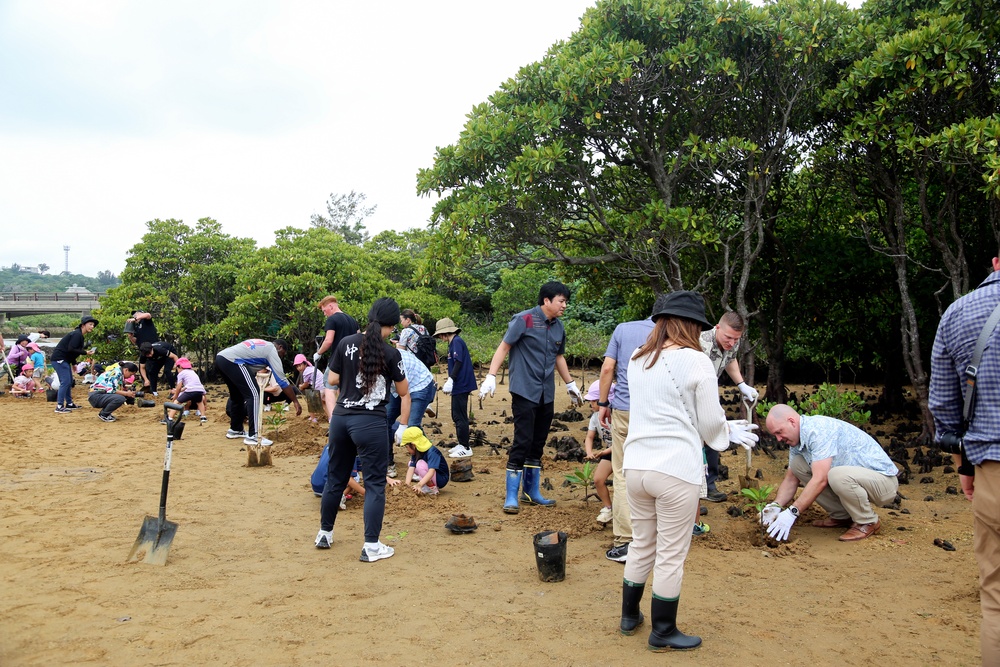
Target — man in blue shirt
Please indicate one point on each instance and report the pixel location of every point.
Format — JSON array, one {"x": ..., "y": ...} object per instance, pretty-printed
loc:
[
  {"x": 840, "y": 466},
  {"x": 957, "y": 333},
  {"x": 536, "y": 341}
]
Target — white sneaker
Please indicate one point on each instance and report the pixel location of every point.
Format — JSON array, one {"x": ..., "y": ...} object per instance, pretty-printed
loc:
[
  {"x": 460, "y": 452},
  {"x": 233, "y": 435},
  {"x": 343, "y": 501},
  {"x": 324, "y": 539},
  {"x": 391, "y": 472},
  {"x": 257, "y": 441},
  {"x": 605, "y": 515},
  {"x": 429, "y": 490},
  {"x": 377, "y": 551}
]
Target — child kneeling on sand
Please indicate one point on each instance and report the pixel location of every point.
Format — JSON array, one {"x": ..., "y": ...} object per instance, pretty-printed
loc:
[
  {"x": 428, "y": 469},
  {"x": 24, "y": 384}
]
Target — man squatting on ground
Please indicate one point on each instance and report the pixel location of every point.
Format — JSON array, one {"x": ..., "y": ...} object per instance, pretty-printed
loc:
[
  {"x": 722, "y": 343},
  {"x": 614, "y": 414},
  {"x": 239, "y": 365},
  {"x": 536, "y": 342},
  {"x": 979, "y": 462},
  {"x": 840, "y": 466},
  {"x": 108, "y": 393}
]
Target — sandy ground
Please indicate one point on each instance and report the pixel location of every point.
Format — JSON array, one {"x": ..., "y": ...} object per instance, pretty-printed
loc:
[{"x": 244, "y": 584}]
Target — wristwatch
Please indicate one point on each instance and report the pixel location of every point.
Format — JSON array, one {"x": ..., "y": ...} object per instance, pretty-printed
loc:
[
  {"x": 604, "y": 404},
  {"x": 794, "y": 510}
]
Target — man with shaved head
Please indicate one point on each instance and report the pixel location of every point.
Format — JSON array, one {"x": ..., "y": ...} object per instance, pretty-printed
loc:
[{"x": 838, "y": 465}]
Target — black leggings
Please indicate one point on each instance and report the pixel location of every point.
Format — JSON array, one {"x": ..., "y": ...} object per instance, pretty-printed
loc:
[
  {"x": 244, "y": 394},
  {"x": 357, "y": 436}
]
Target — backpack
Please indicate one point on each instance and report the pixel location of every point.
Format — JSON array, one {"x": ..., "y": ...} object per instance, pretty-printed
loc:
[{"x": 426, "y": 348}]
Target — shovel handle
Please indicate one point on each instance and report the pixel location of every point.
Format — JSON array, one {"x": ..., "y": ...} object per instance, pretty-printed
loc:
[{"x": 166, "y": 480}]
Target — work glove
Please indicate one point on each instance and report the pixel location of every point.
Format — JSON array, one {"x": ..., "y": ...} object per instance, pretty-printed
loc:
[
  {"x": 398, "y": 436},
  {"x": 575, "y": 397},
  {"x": 741, "y": 433},
  {"x": 769, "y": 514},
  {"x": 316, "y": 358},
  {"x": 489, "y": 386},
  {"x": 780, "y": 527},
  {"x": 749, "y": 392},
  {"x": 448, "y": 386}
]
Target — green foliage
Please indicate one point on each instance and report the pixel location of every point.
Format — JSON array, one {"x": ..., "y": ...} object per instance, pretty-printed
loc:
[
  {"x": 827, "y": 401},
  {"x": 518, "y": 290},
  {"x": 584, "y": 477},
  {"x": 277, "y": 418},
  {"x": 759, "y": 497},
  {"x": 346, "y": 215},
  {"x": 13, "y": 279}
]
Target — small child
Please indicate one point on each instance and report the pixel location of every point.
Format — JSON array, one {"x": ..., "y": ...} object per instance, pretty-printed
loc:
[
  {"x": 603, "y": 457},
  {"x": 189, "y": 390},
  {"x": 24, "y": 385},
  {"x": 37, "y": 359},
  {"x": 428, "y": 470}
]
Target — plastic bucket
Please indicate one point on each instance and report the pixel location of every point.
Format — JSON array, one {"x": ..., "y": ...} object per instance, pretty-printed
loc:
[
  {"x": 51, "y": 395},
  {"x": 550, "y": 555}
]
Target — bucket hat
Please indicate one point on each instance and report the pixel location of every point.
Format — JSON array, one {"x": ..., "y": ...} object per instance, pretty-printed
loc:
[
  {"x": 414, "y": 436},
  {"x": 446, "y": 326},
  {"x": 683, "y": 303}
]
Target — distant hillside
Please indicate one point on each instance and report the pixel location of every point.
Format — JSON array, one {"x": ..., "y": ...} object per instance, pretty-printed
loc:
[{"x": 13, "y": 279}]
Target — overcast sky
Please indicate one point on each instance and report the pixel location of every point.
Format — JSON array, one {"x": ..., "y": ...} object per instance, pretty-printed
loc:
[{"x": 113, "y": 113}]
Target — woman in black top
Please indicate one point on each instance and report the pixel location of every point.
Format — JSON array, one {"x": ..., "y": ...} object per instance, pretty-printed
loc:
[
  {"x": 64, "y": 357},
  {"x": 363, "y": 364}
]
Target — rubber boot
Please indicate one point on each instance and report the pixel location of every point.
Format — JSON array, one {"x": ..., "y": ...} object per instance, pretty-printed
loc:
[
  {"x": 631, "y": 616},
  {"x": 510, "y": 505},
  {"x": 665, "y": 634},
  {"x": 532, "y": 478}
]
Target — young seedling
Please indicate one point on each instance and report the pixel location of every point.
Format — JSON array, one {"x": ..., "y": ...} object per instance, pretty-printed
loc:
[
  {"x": 758, "y": 496},
  {"x": 277, "y": 418},
  {"x": 584, "y": 477}
]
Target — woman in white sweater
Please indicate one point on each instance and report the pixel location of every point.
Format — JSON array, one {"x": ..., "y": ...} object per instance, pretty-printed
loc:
[{"x": 674, "y": 408}]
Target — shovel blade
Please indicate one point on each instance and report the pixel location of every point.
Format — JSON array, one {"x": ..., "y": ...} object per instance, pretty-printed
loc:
[{"x": 153, "y": 543}]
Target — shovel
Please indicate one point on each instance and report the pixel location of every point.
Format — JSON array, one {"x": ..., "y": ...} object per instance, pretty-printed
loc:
[
  {"x": 748, "y": 481},
  {"x": 156, "y": 533}
]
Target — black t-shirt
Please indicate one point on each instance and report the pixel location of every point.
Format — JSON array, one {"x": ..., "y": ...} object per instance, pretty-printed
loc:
[
  {"x": 345, "y": 362},
  {"x": 342, "y": 325},
  {"x": 162, "y": 350},
  {"x": 145, "y": 332}
]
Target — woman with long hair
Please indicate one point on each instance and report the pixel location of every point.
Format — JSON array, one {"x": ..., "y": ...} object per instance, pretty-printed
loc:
[
  {"x": 674, "y": 408},
  {"x": 363, "y": 365}
]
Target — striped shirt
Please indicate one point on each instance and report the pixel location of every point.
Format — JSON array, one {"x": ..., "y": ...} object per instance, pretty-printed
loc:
[{"x": 954, "y": 344}]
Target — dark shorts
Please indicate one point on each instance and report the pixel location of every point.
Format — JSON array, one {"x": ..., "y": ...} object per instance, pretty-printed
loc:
[{"x": 190, "y": 397}]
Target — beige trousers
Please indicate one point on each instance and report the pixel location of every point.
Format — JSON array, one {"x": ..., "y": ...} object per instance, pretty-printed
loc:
[
  {"x": 850, "y": 490},
  {"x": 986, "y": 542},
  {"x": 662, "y": 507},
  {"x": 621, "y": 521}
]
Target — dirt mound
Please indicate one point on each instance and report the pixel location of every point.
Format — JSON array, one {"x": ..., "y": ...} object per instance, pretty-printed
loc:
[{"x": 298, "y": 437}]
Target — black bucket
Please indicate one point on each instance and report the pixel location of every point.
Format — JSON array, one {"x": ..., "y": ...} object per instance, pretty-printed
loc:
[
  {"x": 550, "y": 555},
  {"x": 51, "y": 395}
]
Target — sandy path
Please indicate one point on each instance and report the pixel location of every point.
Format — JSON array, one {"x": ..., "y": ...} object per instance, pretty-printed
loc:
[{"x": 245, "y": 586}]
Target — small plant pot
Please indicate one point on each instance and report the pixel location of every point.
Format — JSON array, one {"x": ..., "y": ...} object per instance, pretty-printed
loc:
[
  {"x": 550, "y": 555},
  {"x": 51, "y": 395}
]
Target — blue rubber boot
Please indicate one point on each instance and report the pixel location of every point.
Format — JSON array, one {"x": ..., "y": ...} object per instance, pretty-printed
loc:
[
  {"x": 510, "y": 505},
  {"x": 532, "y": 478}
]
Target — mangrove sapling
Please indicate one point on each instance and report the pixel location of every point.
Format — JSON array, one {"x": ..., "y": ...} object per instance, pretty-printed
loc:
[
  {"x": 277, "y": 418},
  {"x": 758, "y": 497},
  {"x": 584, "y": 477}
]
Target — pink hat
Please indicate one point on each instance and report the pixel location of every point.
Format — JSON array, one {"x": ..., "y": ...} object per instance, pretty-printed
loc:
[
  {"x": 34, "y": 346},
  {"x": 27, "y": 367},
  {"x": 183, "y": 362},
  {"x": 594, "y": 392},
  {"x": 301, "y": 359}
]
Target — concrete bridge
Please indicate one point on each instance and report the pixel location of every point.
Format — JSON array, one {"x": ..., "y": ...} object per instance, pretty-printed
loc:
[{"x": 17, "y": 304}]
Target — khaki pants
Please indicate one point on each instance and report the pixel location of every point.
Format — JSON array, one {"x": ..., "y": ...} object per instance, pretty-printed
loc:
[
  {"x": 986, "y": 541},
  {"x": 662, "y": 507},
  {"x": 621, "y": 520},
  {"x": 850, "y": 490}
]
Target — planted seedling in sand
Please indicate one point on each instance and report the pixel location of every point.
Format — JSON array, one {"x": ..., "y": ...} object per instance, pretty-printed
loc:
[{"x": 584, "y": 477}]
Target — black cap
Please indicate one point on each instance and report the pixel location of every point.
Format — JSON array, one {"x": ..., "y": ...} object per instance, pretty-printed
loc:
[
  {"x": 22, "y": 338},
  {"x": 683, "y": 303},
  {"x": 88, "y": 318}
]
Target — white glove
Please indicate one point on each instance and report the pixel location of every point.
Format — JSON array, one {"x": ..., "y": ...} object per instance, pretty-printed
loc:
[
  {"x": 316, "y": 358},
  {"x": 780, "y": 526},
  {"x": 448, "y": 386},
  {"x": 741, "y": 433},
  {"x": 575, "y": 397},
  {"x": 398, "y": 436},
  {"x": 489, "y": 386},
  {"x": 769, "y": 513},
  {"x": 748, "y": 391}
]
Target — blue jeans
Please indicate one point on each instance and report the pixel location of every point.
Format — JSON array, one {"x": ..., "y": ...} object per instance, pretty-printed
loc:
[
  {"x": 419, "y": 400},
  {"x": 65, "y": 374}
]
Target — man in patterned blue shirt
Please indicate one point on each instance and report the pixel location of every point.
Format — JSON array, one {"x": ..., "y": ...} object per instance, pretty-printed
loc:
[
  {"x": 956, "y": 338},
  {"x": 840, "y": 466}
]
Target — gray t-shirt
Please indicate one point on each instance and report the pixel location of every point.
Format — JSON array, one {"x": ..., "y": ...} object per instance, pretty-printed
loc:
[
  {"x": 534, "y": 345},
  {"x": 627, "y": 338}
]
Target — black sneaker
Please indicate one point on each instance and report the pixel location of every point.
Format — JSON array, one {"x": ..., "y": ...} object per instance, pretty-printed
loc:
[
  {"x": 63, "y": 411},
  {"x": 72, "y": 406},
  {"x": 617, "y": 554},
  {"x": 106, "y": 418},
  {"x": 716, "y": 497}
]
